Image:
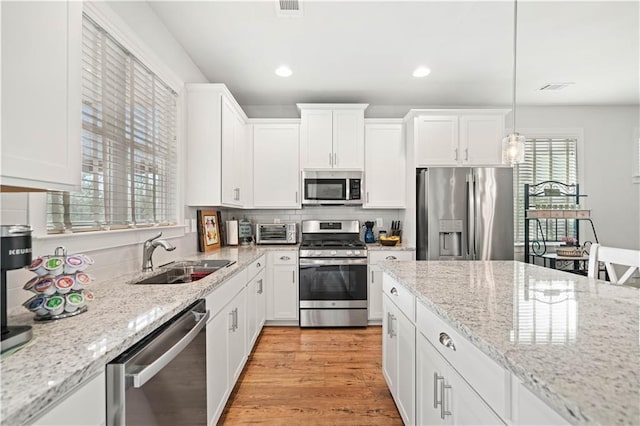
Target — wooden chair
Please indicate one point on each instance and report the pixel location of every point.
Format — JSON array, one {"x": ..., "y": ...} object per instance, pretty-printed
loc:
[{"x": 613, "y": 256}]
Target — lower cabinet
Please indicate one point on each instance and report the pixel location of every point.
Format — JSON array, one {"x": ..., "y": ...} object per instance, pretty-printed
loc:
[
  {"x": 375, "y": 277},
  {"x": 443, "y": 396},
  {"x": 398, "y": 358},
  {"x": 282, "y": 282},
  {"x": 84, "y": 406},
  {"x": 256, "y": 308}
]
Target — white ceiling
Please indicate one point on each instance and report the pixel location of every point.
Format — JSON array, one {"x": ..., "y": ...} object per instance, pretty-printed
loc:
[{"x": 365, "y": 51}]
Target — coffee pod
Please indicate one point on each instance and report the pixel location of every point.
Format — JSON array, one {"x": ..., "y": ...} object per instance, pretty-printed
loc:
[
  {"x": 37, "y": 267},
  {"x": 36, "y": 305},
  {"x": 74, "y": 301},
  {"x": 54, "y": 266},
  {"x": 64, "y": 284},
  {"x": 82, "y": 280},
  {"x": 45, "y": 286},
  {"x": 72, "y": 264},
  {"x": 55, "y": 305}
]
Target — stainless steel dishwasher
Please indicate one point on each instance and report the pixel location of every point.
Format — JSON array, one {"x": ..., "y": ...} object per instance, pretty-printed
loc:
[{"x": 162, "y": 380}]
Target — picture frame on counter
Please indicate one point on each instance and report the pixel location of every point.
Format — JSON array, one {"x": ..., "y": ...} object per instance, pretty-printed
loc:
[{"x": 208, "y": 230}]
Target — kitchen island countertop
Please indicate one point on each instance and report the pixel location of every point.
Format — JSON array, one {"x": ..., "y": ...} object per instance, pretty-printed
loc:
[
  {"x": 572, "y": 340},
  {"x": 63, "y": 354}
]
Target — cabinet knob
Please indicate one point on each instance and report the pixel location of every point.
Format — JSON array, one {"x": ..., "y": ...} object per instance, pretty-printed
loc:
[
  {"x": 258, "y": 265},
  {"x": 285, "y": 258},
  {"x": 394, "y": 291},
  {"x": 446, "y": 340},
  {"x": 391, "y": 258}
]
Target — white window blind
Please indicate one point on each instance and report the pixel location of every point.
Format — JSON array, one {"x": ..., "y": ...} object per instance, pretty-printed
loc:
[
  {"x": 545, "y": 159},
  {"x": 128, "y": 144}
]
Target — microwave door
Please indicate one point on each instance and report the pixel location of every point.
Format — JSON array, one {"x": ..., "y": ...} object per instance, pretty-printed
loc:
[{"x": 325, "y": 191}]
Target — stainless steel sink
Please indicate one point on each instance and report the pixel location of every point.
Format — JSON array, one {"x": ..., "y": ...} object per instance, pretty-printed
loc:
[{"x": 185, "y": 272}]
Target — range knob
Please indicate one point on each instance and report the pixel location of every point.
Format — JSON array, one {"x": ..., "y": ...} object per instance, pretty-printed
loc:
[
  {"x": 348, "y": 252},
  {"x": 357, "y": 252},
  {"x": 333, "y": 252}
]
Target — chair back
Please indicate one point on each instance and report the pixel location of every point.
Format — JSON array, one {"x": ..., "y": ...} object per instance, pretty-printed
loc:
[{"x": 613, "y": 256}]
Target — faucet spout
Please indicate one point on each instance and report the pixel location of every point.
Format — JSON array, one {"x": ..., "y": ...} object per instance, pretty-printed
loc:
[{"x": 148, "y": 248}]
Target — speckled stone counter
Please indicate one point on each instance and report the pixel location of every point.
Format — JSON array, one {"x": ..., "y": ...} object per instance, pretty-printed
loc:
[
  {"x": 380, "y": 247},
  {"x": 64, "y": 353},
  {"x": 573, "y": 341}
]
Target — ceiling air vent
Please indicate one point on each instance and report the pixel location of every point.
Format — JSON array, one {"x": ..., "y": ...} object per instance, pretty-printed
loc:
[
  {"x": 555, "y": 86},
  {"x": 287, "y": 8}
]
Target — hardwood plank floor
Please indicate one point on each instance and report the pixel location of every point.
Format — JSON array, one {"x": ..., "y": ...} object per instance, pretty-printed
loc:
[{"x": 313, "y": 377}]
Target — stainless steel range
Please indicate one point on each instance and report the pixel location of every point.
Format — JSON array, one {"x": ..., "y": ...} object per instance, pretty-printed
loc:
[{"x": 333, "y": 275}]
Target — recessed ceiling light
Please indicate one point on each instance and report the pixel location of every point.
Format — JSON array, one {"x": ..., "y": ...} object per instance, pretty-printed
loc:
[
  {"x": 283, "y": 71},
  {"x": 421, "y": 72}
]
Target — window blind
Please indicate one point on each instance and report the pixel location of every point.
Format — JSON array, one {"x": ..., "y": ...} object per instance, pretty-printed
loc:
[
  {"x": 545, "y": 159},
  {"x": 128, "y": 144}
]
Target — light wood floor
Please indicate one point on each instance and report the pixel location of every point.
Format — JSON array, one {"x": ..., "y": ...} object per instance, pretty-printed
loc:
[{"x": 313, "y": 376}]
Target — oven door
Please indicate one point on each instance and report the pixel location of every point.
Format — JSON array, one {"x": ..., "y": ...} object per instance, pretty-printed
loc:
[
  {"x": 325, "y": 191},
  {"x": 333, "y": 283}
]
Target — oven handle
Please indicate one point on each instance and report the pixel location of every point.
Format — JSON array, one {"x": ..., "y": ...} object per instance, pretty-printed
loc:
[
  {"x": 332, "y": 262},
  {"x": 146, "y": 374}
]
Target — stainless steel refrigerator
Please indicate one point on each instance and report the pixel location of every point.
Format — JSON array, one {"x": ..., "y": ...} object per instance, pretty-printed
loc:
[{"x": 464, "y": 213}]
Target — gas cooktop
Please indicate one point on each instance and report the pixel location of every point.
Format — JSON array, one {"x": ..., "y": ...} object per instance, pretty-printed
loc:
[{"x": 332, "y": 239}]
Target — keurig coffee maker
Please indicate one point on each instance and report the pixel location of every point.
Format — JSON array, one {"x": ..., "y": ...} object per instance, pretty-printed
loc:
[{"x": 15, "y": 248}]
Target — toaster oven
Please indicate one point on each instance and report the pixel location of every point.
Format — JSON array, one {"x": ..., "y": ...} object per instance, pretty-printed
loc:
[{"x": 277, "y": 233}]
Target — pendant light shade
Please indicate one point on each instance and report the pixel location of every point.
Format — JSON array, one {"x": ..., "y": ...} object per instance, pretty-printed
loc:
[{"x": 513, "y": 144}]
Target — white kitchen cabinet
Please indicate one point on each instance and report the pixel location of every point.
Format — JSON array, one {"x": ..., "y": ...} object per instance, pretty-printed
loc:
[
  {"x": 282, "y": 286},
  {"x": 234, "y": 161},
  {"x": 528, "y": 409},
  {"x": 85, "y": 406},
  {"x": 216, "y": 148},
  {"x": 443, "y": 396},
  {"x": 384, "y": 166},
  {"x": 375, "y": 278},
  {"x": 41, "y": 95},
  {"x": 398, "y": 358},
  {"x": 458, "y": 137},
  {"x": 237, "y": 312},
  {"x": 256, "y": 305},
  {"x": 217, "y": 365},
  {"x": 332, "y": 136},
  {"x": 276, "y": 171}
]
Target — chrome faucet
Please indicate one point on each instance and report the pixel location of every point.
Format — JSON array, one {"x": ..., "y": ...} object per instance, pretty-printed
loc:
[{"x": 148, "y": 248}]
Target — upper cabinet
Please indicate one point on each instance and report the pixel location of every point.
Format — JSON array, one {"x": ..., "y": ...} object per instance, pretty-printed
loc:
[
  {"x": 332, "y": 136},
  {"x": 41, "y": 95},
  {"x": 385, "y": 165},
  {"x": 276, "y": 173},
  {"x": 216, "y": 129},
  {"x": 458, "y": 137}
]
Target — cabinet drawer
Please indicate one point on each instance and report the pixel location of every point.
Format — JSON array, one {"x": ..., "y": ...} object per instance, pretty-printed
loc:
[
  {"x": 400, "y": 296},
  {"x": 284, "y": 257},
  {"x": 256, "y": 266},
  {"x": 485, "y": 376},
  {"x": 380, "y": 256},
  {"x": 222, "y": 295}
]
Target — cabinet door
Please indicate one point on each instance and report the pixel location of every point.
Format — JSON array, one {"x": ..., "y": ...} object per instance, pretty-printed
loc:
[
  {"x": 316, "y": 139},
  {"x": 261, "y": 302},
  {"x": 285, "y": 292},
  {"x": 430, "y": 372},
  {"x": 384, "y": 166},
  {"x": 348, "y": 139},
  {"x": 255, "y": 309},
  {"x": 218, "y": 388},
  {"x": 237, "y": 314},
  {"x": 41, "y": 94},
  {"x": 276, "y": 175},
  {"x": 389, "y": 345},
  {"x": 480, "y": 139},
  {"x": 406, "y": 379},
  {"x": 465, "y": 405},
  {"x": 85, "y": 406},
  {"x": 241, "y": 170},
  {"x": 229, "y": 120},
  {"x": 203, "y": 150},
  {"x": 437, "y": 141},
  {"x": 375, "y": 292}
]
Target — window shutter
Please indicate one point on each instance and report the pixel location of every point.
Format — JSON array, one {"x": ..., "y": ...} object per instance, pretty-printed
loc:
[
  {"x": 545, "y": 159},
  {"x": 128, "y": 143}
]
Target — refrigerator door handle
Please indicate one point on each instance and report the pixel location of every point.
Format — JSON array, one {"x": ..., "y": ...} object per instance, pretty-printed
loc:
[{"x": 471, "y": 216}]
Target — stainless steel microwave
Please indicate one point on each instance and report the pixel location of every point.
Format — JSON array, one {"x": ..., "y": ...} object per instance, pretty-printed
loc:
[{"x": 329, "y": 187}]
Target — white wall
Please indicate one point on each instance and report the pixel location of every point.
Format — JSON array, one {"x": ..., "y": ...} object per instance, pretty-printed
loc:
[{"x": 608, "y": 164}]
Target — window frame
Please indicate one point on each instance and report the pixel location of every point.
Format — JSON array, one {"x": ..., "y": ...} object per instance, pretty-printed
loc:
[
  {"x": 568, "y": 133},
  {"x": 113, "y": 24}
]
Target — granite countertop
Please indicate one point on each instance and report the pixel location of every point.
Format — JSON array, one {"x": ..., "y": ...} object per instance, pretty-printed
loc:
[
  {"x": 572, "y": 340},
  {"x": 380, "y": 247},
  {"x": 63, "y": 354}
]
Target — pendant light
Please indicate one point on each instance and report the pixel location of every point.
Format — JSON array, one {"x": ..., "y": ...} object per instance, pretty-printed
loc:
[{"x": 513, "y": 144}]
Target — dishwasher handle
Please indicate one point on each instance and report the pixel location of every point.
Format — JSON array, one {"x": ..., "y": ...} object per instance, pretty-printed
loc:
[{"x": 143, "y": 376}]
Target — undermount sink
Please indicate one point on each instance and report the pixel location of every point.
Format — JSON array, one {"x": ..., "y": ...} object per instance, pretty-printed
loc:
[{"x": 185, "y": 271}]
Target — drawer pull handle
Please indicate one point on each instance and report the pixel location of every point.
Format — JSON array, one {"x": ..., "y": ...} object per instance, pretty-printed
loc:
[
  {"x": 394, "y": 291},
  {"x": 447, "y": 341},
  {"x": 443, "y": 411},
  {"x": 258, "y": 265},
  {"x": 436, "y": 379},
  {"x": 285, "y": 258},
  {"x": 391, "y": 258}
]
